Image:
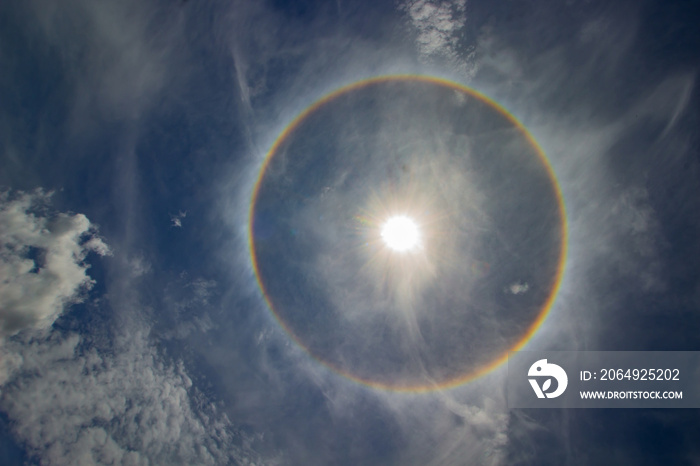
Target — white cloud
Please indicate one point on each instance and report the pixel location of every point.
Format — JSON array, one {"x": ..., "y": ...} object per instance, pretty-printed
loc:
[
  {"x": 195, "y": 325},
  {"x": 177, "y": 219},
  {"x": 9, "y": 363},
  {"x": 139, "y": 265},
  {"x": 202, "y": 288},
  {"x": 187, "y": 302},
  {"x": 518, "y": 288},
  {"x": 70, "y": 405},
  {"x": 636, "y": 222},
  {"x": 42, "y": 256},
  {"x": 70, "y": 402},
  {"x": 439, "y": 25}
]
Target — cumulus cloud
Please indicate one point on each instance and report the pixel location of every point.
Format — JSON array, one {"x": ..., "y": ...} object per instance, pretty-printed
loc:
[
  {"x": 42, "y": 261},
  {"x": 72, "y": 405}
]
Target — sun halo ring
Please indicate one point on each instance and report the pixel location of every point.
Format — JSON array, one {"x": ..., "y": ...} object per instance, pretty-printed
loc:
[{"x": 428, "y": 385}]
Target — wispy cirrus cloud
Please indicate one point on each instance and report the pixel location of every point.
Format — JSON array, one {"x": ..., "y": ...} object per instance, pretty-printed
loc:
[{"x": 110, "y": 49}]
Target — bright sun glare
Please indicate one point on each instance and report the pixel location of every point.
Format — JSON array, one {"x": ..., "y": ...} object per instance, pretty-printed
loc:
[{"x": 401, "y": 233}]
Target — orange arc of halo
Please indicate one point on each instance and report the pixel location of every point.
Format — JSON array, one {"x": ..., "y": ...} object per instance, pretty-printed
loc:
[{"x": 534, "y": 326}]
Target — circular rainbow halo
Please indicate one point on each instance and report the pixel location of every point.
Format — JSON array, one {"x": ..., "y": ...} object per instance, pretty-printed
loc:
[{"x": 393, "y": 246}]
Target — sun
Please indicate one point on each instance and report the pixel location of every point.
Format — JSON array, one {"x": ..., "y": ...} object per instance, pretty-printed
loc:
[{"x": 401, "y": 234}]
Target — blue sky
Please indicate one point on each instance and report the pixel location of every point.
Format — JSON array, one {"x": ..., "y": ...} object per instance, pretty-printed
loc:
[{"x": 132, "y": 328}]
